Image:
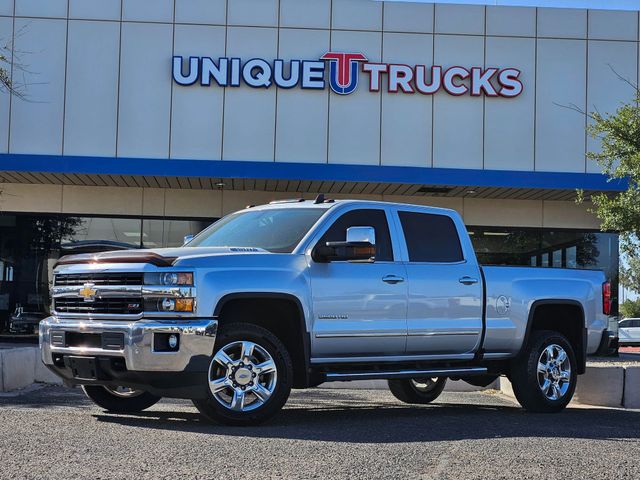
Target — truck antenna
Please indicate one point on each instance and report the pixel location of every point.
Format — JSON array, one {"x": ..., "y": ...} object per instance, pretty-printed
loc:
[{"x": 319, "y": 198}]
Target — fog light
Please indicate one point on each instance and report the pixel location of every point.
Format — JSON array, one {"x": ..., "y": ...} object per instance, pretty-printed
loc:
[{"x": 166, "y": 342}]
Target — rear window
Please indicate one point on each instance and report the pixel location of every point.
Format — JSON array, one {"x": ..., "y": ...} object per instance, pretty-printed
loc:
[
  {"x": 430, "y": 238},
  {"x": 629, "y": 322}
]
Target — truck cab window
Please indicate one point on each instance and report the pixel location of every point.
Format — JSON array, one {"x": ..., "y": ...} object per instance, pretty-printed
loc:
[
  {"x": 430, "y": 238},
  {"x": 363, "y": 218}
]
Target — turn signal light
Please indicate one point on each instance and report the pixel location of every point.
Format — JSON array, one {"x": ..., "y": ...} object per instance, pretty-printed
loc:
[
  {"x": 606, "y": 298},
  {"x": 184, "y": 305}
]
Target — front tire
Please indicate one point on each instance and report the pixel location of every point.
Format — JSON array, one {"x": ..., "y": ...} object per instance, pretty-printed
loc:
[
  {"x": 417, "y": 390},
  {"x": 250, "y": 376},
  {"x": 544, "y": 377},
  {"x": 120, "y": 400}
]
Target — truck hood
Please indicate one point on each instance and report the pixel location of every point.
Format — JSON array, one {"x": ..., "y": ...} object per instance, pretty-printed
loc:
[{"x": 161, "y": 257}]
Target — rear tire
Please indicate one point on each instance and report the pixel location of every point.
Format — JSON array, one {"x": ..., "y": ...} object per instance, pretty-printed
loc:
[
  {"x": 113, "y": 401},
  {"x": 417, "y": 390},
  {"x": 544, "y": 377},
  {"x": 250, "y": 376}
]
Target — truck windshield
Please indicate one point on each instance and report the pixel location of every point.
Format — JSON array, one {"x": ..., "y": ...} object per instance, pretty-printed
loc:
[{"x": 276, "y": 230}]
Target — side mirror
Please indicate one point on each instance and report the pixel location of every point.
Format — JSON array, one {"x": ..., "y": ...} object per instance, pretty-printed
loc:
[
  {"x": 360, "y": 245},
  {"x": 187, "y": 239},
  {"x": 358, "y": 235}
]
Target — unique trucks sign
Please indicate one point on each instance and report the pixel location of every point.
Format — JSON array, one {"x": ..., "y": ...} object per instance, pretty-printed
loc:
[{"x": 343, "y": 74}]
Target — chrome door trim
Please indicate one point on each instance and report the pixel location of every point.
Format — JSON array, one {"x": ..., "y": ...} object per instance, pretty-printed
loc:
[
  {"x": 356, "y": 335},
  {"x": 438, "y": 334}
]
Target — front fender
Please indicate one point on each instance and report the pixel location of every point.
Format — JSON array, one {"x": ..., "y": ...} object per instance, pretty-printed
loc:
[{"x": 274, "y": 275}]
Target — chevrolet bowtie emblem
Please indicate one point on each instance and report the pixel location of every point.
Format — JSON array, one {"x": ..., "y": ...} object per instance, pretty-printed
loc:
[{"x": 88, "y": 292}]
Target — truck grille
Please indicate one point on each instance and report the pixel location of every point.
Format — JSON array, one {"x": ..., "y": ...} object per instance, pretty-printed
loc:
[
  {"x": 125, "y": 278},
  {"x": 119, "y": 305}
]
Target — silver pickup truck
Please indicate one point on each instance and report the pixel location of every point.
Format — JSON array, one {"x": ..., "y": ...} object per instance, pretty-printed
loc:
[{"x": 297, "y": 293}]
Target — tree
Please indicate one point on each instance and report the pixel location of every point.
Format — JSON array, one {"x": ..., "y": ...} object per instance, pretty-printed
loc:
[
  {"x": 6, "y": 84},
  {"x": 11, "y": 67},
  {"x": 630, "y": 309},
  {"x": 619, "y": 158}
]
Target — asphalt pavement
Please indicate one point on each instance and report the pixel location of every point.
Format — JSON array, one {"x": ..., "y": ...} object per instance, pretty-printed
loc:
[{"x": 54, "y": 432}]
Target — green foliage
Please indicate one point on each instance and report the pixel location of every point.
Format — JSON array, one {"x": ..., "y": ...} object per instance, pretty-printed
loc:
[
  {"x": 630, "y": 309},
  {"x": 619, "y": 158}
]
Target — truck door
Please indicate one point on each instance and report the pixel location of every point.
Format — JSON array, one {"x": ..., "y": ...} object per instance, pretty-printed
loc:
[
  {"x": 359, "y": 308},
  {"x": 444, "y": 314}
]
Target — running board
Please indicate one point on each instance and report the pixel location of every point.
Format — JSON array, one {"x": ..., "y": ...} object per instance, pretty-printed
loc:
[{"x": 384, "y": 375}]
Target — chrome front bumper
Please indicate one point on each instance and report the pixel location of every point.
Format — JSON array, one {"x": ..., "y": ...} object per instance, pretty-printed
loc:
[{"x": 197, "y": 338}]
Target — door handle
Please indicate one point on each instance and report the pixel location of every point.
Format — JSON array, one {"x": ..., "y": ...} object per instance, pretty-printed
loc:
[
  {"x": 392, "y": 279},
  {"x": 468, "y": 280}
]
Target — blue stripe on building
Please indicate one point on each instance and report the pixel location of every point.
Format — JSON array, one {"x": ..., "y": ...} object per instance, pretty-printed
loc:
[{"x": 307, "y": 171}]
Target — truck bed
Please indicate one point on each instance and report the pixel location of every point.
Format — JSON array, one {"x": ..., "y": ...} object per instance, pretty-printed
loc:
[{"x": 511, "y": 293}]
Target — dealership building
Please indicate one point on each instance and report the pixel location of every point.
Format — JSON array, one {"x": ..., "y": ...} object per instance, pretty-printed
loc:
[{"x": 136, "y": 122}]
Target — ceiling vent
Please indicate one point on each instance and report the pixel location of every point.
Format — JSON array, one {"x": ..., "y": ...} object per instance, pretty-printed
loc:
[{"x": 434, "y": 190}]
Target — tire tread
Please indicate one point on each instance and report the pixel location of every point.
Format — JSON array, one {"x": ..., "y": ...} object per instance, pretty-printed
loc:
[
  {"x": 404, "y": 391},
  {"x": 101, "y": 397}
]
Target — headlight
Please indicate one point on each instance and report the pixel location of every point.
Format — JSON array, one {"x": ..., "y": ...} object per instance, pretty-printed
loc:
[{"x": 169, "y": 278}]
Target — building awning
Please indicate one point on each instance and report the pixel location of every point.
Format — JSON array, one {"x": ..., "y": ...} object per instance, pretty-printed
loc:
[{"x": 344, "y": 179}]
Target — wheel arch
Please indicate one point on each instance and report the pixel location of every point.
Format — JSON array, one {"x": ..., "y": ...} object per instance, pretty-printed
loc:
[
  {"x": 574, "y": 329},
  {"x": 298, "y": 341}
]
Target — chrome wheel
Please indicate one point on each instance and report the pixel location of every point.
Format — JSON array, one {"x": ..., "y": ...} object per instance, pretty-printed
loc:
[
  {"x": 424, "y": 384},
  {"x": 242, "y": 376},
  {"x": 124, "y": 392},
  {"x": 554, "y": 372}
]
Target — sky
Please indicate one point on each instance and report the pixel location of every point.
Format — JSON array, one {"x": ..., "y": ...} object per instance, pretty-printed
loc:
[{"x": 594, "y": 4}]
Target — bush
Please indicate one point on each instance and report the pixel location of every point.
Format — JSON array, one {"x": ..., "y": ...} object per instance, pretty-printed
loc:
[{"x": 630, "y": 309}]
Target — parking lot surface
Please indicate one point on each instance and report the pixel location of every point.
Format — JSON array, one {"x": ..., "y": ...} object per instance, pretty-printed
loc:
[{"x": 54, "y": 432}]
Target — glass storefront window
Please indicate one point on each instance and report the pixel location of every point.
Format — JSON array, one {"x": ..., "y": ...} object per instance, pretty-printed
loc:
[
  {"x": 501, "y": 246},
  {"x": 170, "y": 233},
  {"x": 548, "y": 248},
  {"x": 572, "y": 257},
  {"x": 152, "y": 233},
  {"x": 545, "y": 260},
  {"x": 124, "y": 232},
  {"x": 30, "y": 245}
]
